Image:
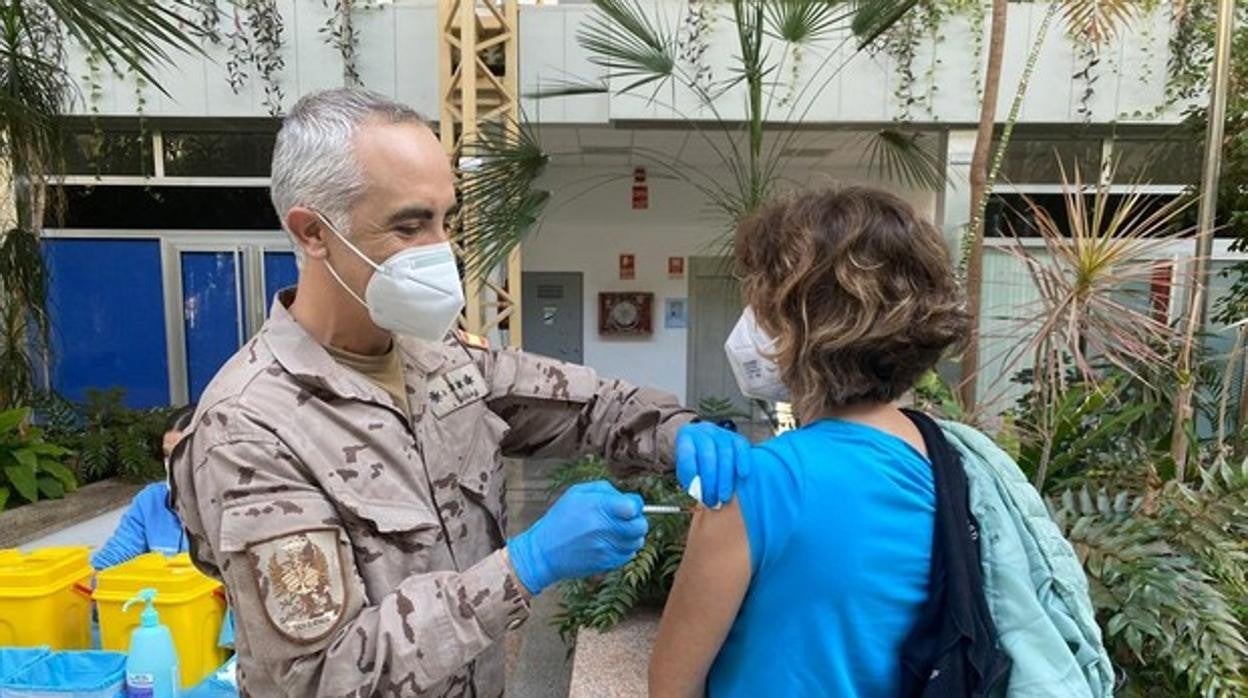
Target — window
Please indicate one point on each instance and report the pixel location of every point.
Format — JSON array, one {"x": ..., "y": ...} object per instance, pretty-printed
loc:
[
  {"x": 164, "y": 208},
  {"x": 1156, "y": 161},
  {"x": 1013, "y": 215},
  {"x": 217, "y": 153},
  {"x": 108, "y": 152},
  {"x": 1036, "y": 160}
]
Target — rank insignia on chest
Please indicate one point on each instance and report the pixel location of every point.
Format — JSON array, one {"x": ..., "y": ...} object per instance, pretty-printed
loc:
[{"x": 456, "y": 388}]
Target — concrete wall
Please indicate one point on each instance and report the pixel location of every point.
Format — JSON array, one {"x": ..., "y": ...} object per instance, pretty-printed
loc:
[
  {"x": 1130, "y": 76},
  {"x": 589, "y": 225},
  {"x": 398, "y": 56}
]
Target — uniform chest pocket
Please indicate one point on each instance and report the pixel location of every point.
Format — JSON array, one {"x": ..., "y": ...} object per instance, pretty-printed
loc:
[
  {"x": 375, "y": 524},
  {"x": 483, "y": 479}
]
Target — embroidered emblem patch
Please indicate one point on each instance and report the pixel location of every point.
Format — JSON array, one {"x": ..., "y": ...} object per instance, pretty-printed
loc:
[
  {"x": 301, "y": 583},
  {"x": 456, "y": 388}
]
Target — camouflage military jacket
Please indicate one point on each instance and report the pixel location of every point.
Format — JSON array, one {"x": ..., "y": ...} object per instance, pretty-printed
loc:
[{"x": 363, "y": 548}]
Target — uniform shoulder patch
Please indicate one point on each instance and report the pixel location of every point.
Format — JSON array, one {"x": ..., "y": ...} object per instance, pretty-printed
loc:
[
  {"x": 302, "y": 584},
  {"x": 472, "y": 340}
]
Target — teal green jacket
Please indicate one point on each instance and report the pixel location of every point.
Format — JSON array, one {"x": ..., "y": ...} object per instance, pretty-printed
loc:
[{"x": 1035, "y": 587}]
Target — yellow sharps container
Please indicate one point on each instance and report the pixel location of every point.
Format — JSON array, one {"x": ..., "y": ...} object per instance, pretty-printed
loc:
[
  {"x": 190, "y": 604},
  {"x": 45, "y": 598}
]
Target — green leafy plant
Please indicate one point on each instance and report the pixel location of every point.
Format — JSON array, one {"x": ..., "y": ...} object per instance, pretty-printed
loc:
[
  {"x": 30, "y": 467},
  {"x": 1167, "y": 568},
  {"x": 601, "y": 602},
  {"x": 108, "y": 438},
  {"x": 718, "y": 409}
]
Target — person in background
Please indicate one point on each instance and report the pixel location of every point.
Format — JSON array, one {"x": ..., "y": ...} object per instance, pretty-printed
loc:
[
  {"x": 810, "y": 580},
  {"x": 150, "y": 524}
]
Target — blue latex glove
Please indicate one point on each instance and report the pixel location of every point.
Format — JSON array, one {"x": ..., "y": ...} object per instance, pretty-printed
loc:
[
  {"x": 593, "y": 528},
  {"x": 709, "y": 462}
]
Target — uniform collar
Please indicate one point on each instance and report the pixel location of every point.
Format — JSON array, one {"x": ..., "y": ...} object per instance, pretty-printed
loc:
[{"x": 305, "y": 359}]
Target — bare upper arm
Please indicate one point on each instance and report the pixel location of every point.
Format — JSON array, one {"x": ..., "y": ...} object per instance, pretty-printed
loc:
[{"x": 709, "y": 588}]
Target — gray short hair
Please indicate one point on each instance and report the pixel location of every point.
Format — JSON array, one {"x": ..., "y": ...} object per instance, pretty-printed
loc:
[{"x": 314, "y": 161}]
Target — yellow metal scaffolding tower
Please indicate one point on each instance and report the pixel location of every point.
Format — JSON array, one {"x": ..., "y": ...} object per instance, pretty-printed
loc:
[{"x": 478, "y": 79}]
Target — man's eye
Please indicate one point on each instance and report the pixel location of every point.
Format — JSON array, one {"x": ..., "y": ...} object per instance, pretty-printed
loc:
[{"x": 409, "y": 229}]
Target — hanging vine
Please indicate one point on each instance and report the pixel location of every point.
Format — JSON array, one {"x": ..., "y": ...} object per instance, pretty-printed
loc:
[
  {"x": 902, "y": 43},
  {"x": 140, "y": 109},
  {"x": 933, "y": 21},
  {"x": 207, "y": 20},
  {"x": 339, "y": 33},
  {"x": 1088, "y": 56},
  {"x": 256, "y": 41},
  {"x": 693, "y": 40},
  {"x": 239, "y": 52},
  {"x": 978, "y": 16},
  {"x": 95, "y": 95}
]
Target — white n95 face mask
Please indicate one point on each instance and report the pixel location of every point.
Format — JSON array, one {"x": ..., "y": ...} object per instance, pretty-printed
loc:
[
  {"x": 415, "y": 292},
  {"x": 757, "y": 376}
]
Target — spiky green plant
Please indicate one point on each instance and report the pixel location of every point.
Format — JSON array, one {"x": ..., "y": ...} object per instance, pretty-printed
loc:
[
  {"x": 642, "y": 53},
  {"x": 1084, "y": 317}
]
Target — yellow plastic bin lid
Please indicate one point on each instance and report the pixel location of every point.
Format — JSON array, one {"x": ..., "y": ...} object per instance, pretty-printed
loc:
[
  {"x": 42, "y": 571},
  {"x": 175, "y": 579}
]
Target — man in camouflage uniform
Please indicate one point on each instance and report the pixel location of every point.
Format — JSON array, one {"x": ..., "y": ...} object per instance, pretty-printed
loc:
[{"x": 346, "y": 482}]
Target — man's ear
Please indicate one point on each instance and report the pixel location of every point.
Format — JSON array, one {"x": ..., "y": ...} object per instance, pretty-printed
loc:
[{"x": 308, "y": 231}]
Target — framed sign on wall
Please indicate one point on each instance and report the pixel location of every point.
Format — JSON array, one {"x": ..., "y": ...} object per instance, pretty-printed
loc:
[{"x": 627, "y": 314}]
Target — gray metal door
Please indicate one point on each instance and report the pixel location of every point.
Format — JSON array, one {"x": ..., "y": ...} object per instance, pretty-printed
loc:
[
  {"x": 714, "y": 307},
  {"x": 553, "y": 317}
]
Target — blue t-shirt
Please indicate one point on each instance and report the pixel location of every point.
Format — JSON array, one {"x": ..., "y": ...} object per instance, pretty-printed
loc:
[
  {"x": 839, "y": 518},
  {"x": 148, "y": 526}
]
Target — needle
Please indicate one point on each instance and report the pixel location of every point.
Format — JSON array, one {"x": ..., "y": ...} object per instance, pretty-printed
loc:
[{"x": 664, "y": 509}]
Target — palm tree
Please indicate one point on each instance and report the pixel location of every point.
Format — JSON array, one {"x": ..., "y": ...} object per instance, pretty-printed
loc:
[
  {"x": 1093, "y": 20},
  {"x": 646, "y": 56},
  {"x": 35, "y": 93}
]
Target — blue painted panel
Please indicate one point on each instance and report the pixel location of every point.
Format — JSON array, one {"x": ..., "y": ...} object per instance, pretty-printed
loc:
[
  {"x": 279, "y": 272},
  {"x": 211, "y": 308},
  {"x": 106, "y": 302}
]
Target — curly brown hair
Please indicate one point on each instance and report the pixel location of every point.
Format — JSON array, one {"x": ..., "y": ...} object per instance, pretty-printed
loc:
[{"x": 857, "y": 291}]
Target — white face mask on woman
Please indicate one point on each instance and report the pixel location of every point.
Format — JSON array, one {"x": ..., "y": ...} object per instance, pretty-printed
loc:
[
  {"x": 416, "y": 291},
  {"x": 757, "y": 376}
]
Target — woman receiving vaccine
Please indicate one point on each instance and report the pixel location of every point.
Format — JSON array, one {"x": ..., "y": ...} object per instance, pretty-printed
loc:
[{"x": 808, "y": 582}]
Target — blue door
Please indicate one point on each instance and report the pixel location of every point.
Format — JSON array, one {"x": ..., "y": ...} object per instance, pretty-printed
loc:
[
  {"x": 107, "y": 310},
  {"x": 279, "y": 273},
  {"x": 212, "y": 313}
]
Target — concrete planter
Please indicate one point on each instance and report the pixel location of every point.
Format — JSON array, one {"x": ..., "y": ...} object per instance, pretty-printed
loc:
[
  {"x": 31, "y": 523},
  {"x": 614, "y": 664}
]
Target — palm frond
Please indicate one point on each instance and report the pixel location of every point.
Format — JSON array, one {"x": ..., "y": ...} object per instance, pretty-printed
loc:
[
  {"x": 135, "y": 33},
  {"x": 871, "y": 18},
  {"x": 803, "y": 21},
  {"x": 622, "y": 38},
  {"x": 568, "y": 88},
  {"x": 1097, "y": 20},
  {"x": 899, "y": 157},
  {"x": 498, "y": 196}
]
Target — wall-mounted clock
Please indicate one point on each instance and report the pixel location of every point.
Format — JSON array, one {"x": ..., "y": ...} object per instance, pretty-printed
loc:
[{"x": 625, "y": 314}]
